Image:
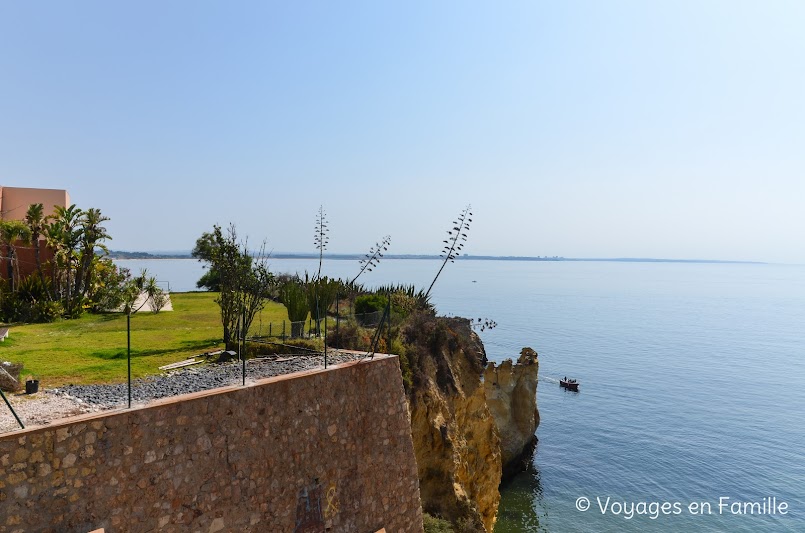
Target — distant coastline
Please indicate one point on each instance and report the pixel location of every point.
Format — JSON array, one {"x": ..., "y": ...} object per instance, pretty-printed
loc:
[{"x": 116, "y": 254}]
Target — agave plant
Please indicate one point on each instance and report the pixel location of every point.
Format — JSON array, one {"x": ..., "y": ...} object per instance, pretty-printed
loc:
[
  {"x": 293, "y": 296},
  {"x": 321, "y": 294},
  {"x": 406, "y": 299}
]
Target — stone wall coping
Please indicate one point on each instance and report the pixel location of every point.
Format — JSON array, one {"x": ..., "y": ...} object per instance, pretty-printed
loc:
[{"x": 193, "y": 395}]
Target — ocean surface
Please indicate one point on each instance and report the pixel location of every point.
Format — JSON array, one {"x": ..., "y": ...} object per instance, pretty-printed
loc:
[{"x": 692, "y": 385}]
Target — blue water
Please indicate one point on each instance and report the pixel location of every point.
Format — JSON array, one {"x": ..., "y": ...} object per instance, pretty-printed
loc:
[{"x": 692, "y": 383}]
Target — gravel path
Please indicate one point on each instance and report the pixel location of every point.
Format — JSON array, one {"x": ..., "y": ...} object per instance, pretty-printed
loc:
[{"x": 77, "y": 399}]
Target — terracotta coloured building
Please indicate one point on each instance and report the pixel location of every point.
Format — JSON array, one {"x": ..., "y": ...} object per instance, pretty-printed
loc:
[{"x": 14, "y": 203}]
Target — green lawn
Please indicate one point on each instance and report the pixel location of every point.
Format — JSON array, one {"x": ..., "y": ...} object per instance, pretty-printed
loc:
[{"x": 92, "y": 349}]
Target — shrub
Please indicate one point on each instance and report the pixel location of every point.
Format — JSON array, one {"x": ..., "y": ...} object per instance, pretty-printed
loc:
[
  {"x": 436, "y": 525},
  {"x": 350, "y": 336},
  {"x": 407, "y": 373},
  {"x": 370, "y": 303},
  {"x": 46, "y": 311},
  {"x": 158, "y": 301},
  {"x": 406, "y": 299},
  {"x": 30, "y": 303},
  {"x": 109, "y": 291}
]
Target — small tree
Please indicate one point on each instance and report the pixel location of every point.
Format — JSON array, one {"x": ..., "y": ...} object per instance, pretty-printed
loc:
[
  {"x": 232, "y": 267},
  {"x": 256, "y": 286},
  {"x": 243, "y": 280},
  {"x": 204, "y": 251}
]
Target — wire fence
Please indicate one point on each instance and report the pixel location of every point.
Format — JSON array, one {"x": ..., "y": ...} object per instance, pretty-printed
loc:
[{"x": 287, "y": 329}]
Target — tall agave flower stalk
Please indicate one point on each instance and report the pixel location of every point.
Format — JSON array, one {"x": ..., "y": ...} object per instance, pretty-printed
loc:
[
  {"x": 321, "y": 237},
  {"x": 372, "y": 259},
  {"x": 454, "y": 243}
]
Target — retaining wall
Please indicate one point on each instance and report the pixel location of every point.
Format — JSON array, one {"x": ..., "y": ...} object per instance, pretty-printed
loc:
[{"x": 326, "y": 450}]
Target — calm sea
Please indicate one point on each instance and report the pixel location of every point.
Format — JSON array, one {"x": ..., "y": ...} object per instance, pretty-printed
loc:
[{"x": 692, "y": 385}]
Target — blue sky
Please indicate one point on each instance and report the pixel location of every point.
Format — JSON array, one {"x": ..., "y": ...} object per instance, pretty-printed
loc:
[{"x": 580, "y": 129}]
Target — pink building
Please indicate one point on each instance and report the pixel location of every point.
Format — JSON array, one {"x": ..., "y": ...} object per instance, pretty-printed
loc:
[{"x": 14, "y": 203}]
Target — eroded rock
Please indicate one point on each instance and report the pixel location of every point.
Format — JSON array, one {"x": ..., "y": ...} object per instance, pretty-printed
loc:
[{"x": 511, "y": 394}]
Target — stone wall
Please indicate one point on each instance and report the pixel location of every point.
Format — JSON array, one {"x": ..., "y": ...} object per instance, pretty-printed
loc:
[{"x": 315, "y": 451}]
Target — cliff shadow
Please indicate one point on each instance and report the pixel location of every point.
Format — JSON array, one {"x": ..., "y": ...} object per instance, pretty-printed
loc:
[{"x": 521, "y": 502}]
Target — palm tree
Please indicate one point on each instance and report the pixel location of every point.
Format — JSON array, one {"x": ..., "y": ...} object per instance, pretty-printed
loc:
[
  {"x": 64, "y": 234},
  {"x": 93, "y": 234},
  {"x": 35, "y": 218},
  {"x": 12, "y": 231}
]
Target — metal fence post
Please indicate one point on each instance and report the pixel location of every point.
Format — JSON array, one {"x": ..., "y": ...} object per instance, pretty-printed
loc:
[
  {"x": 13, "y": 412},
  {"x": 243, "y": 329},
  {"x": 283, "y": 331},
  {"x": 388, "y": 347},
  {"x": 128, "y": 350}
]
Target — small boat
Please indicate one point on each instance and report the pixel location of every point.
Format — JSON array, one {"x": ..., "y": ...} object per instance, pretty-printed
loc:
[{"x": 569, "y": 384}]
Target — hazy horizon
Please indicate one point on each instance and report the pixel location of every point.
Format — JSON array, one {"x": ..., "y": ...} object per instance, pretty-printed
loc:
[
  {"x": 349, "y": 256},
  {"x": 575, "y": 129}
]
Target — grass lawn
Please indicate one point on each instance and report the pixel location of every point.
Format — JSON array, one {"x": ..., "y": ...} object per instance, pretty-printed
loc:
[{"x": 92, "y": 349}]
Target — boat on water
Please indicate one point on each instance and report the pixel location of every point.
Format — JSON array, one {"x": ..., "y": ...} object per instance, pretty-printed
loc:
[{"x": 569, "y": 384}]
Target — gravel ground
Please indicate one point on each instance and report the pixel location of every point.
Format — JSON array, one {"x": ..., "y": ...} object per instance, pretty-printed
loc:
[
  {"x": 38, "y": 409},
  {"x": 71, "y": 400}
]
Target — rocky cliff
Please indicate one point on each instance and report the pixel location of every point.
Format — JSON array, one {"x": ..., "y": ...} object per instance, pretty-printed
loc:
[
  {"x": 511, "y": 394},
  {"x": 468, "y": 423}
]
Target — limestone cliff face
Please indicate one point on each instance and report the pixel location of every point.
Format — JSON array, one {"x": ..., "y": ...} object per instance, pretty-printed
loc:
[
  {"x": 465, "y": 431},
  {"x": 511, "y": 394}
]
